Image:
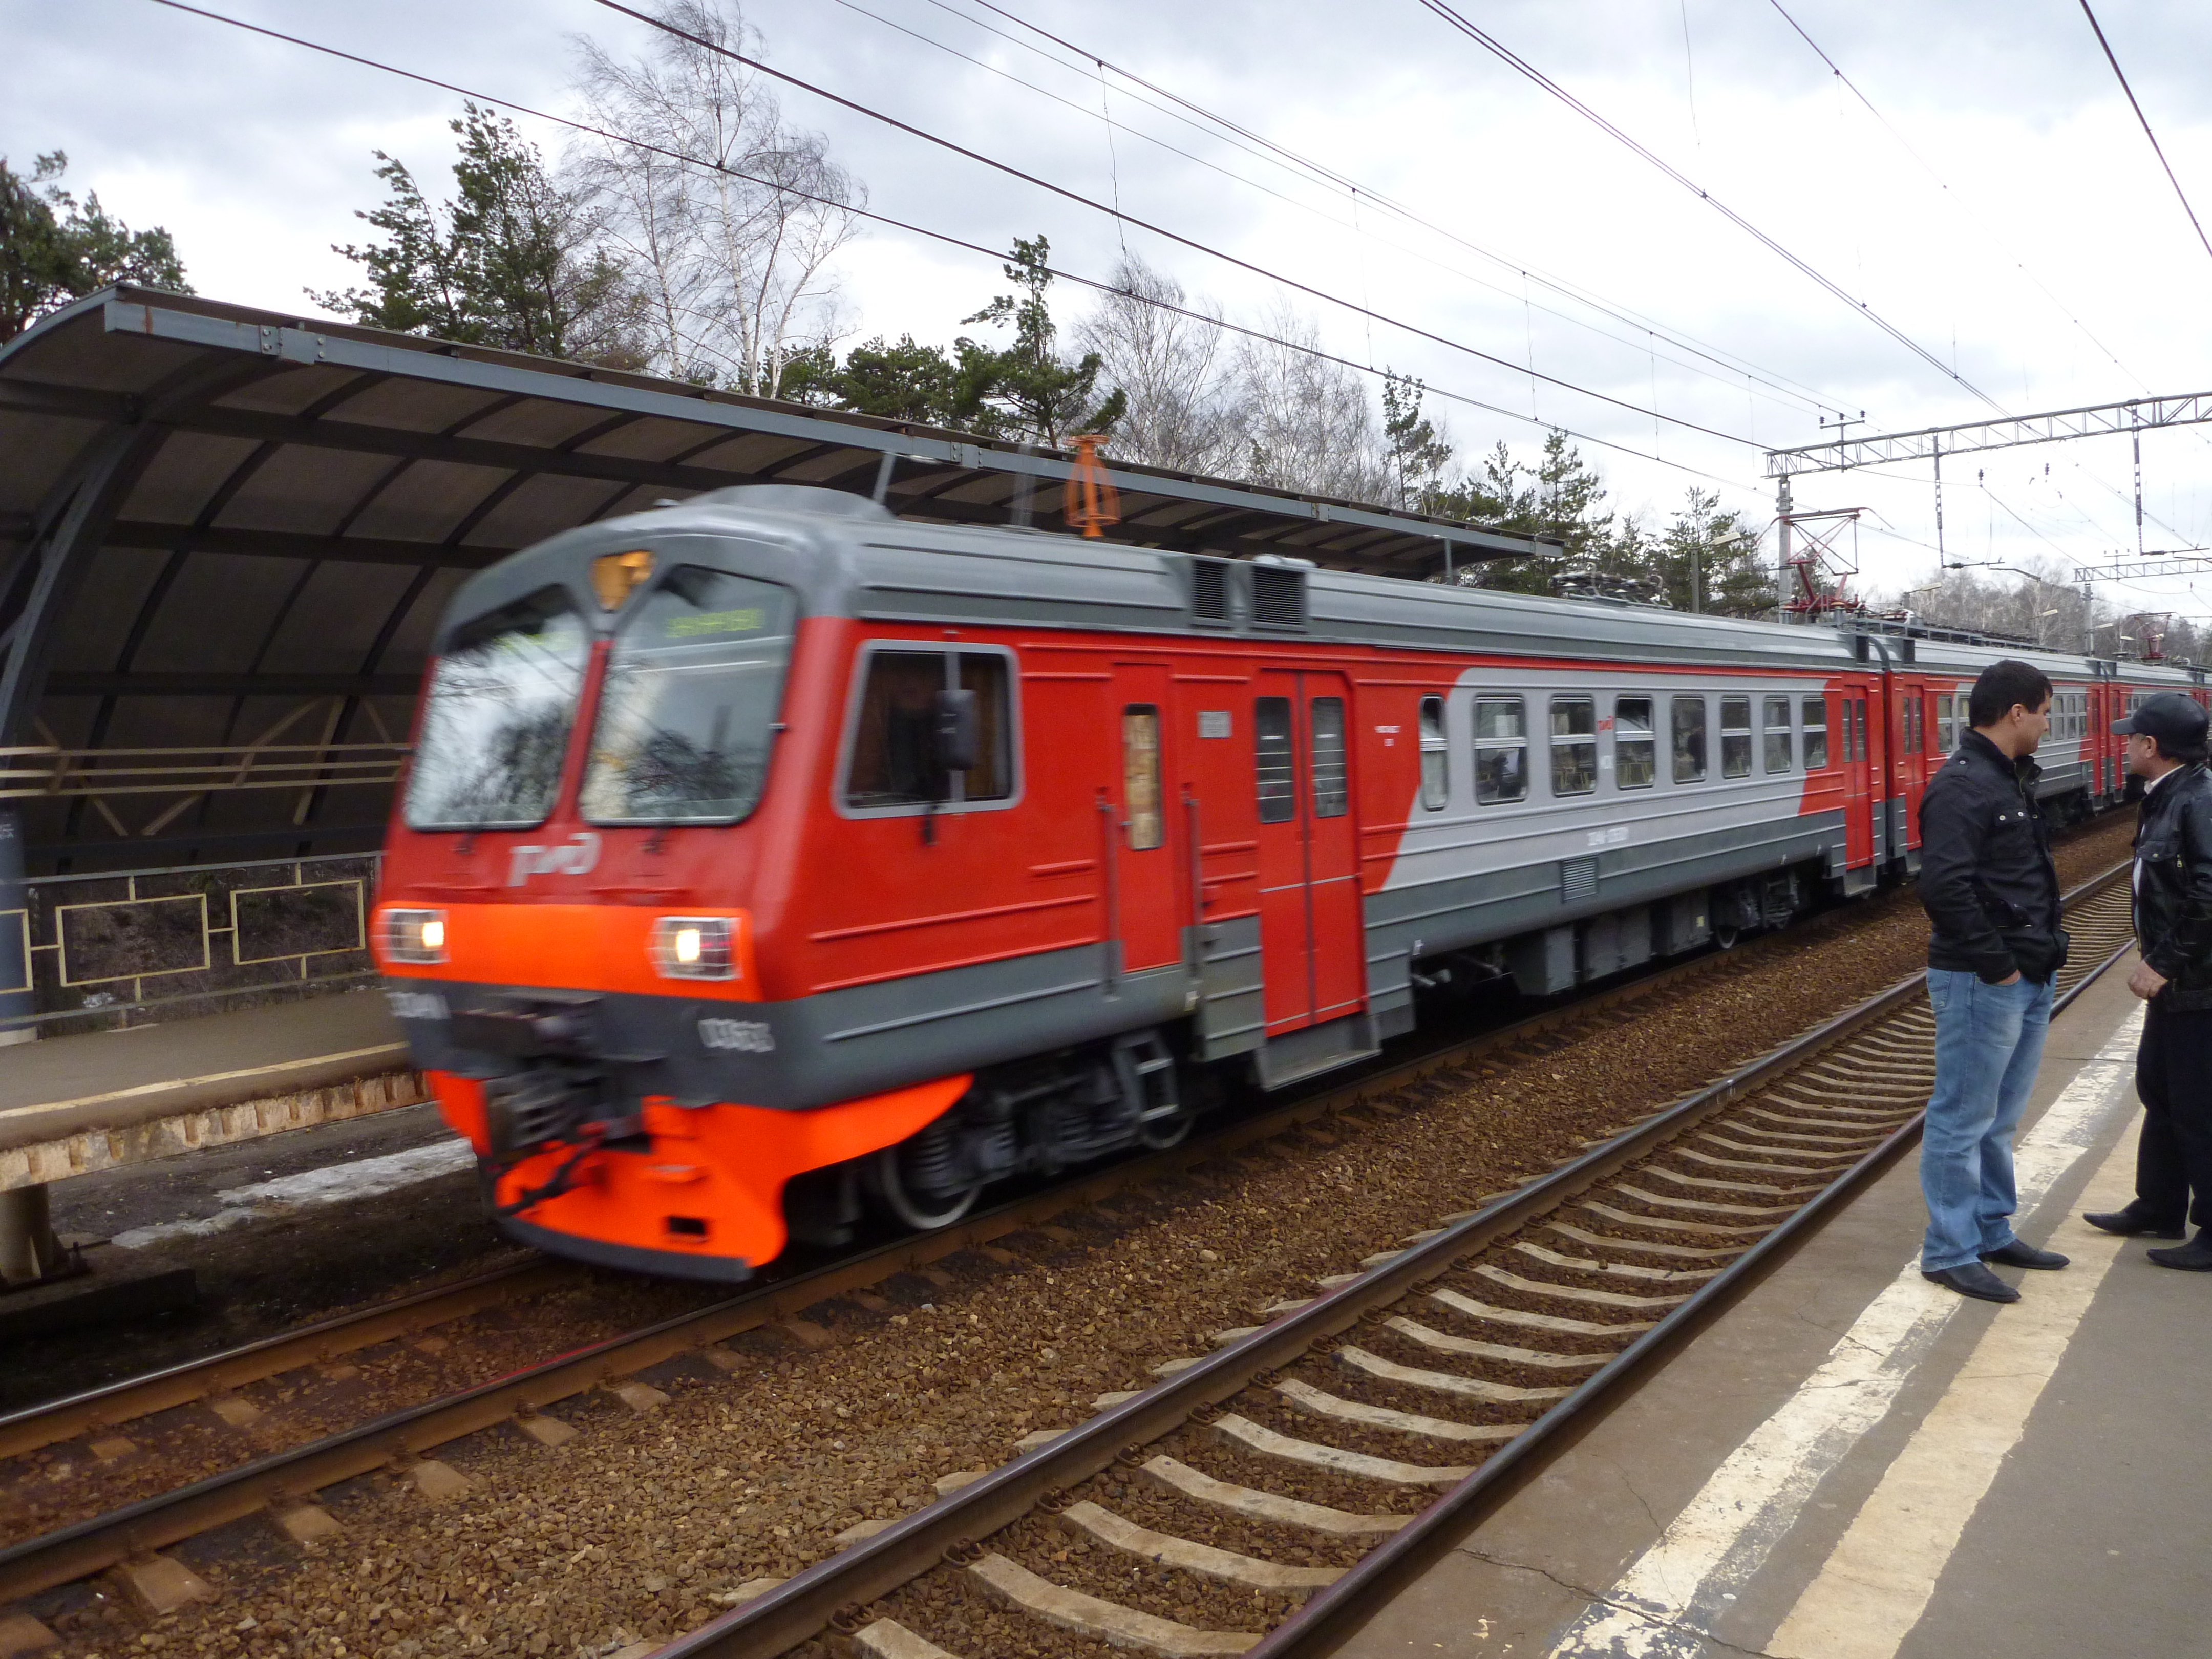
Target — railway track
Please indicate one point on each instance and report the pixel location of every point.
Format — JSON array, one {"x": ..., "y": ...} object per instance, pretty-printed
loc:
[
  {"x": 96, "y": 1422},
  {"x": 1507, "y": 1326},
  {"x": 1663, "y": 1245}
]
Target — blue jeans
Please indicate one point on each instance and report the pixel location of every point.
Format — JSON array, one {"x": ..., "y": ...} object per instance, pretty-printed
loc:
[{"x": 1988, "y": 1041}]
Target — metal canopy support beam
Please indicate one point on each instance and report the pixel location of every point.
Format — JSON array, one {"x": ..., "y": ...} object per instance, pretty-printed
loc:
[
  {"x": 2095, "y": 421},
  {"x": 66, "y": 684},
  {"x": 298, "y": 345}
]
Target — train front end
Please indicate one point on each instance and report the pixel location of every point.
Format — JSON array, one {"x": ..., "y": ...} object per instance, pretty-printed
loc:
[{"x": 587, "y": 865}]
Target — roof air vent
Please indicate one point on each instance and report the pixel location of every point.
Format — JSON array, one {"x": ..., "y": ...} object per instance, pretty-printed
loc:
[
  {"x": 1279, "y": 596},
  {"x": 1209, "y": 590}
]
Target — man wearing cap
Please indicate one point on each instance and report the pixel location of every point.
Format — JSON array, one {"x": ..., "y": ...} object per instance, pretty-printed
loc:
[
  {"x": 2166, "y": 738},
  {"x": 1988, "y": 885}
]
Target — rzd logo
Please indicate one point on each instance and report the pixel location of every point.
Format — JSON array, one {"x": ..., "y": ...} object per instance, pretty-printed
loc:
[
  {"x": 743, "y": 1037},
  {"x": 574, "y": 858}
]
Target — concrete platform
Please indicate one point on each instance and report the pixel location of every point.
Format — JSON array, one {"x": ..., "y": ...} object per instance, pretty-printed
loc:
[
  {"x": 1853, "y": 1464},
  {"x": 73, "y": 1104}
]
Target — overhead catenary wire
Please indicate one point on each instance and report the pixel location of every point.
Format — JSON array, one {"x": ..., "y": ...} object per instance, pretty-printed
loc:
[
  {"x": 2157, "y": 148},
  {"x": 1201, "y": 119},
  {"x": 943, "y": 238},
  {"x": 1783, "y": 390},
  {"x": 1076, "y": 196},
  {"x": 1944, "y": 186},
  {"x": 1521, "y": 66}
]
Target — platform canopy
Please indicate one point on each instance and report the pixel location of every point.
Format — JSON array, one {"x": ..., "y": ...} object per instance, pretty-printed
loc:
[{"x": 226, "y": 535}]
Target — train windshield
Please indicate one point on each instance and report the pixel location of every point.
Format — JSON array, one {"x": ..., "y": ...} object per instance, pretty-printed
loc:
[
  {"x": 689, "y": 709},
  {"x": 495, "y": 725}
]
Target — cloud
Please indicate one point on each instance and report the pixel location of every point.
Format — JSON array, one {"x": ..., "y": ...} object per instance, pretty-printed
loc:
[{"x": 2046, "y": 255}]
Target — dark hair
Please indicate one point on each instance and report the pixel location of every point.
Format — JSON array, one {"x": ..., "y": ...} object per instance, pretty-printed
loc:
[
  {"x": 2001, "y": 685},
  {"x": 2189, "y": 754}
]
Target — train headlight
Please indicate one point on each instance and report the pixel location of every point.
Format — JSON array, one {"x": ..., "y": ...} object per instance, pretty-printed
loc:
[
  {"x": 694, "y": 947},
  {"x": 414, "y": 936}
]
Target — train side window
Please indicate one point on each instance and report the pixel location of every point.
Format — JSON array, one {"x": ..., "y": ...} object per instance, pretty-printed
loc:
[
  {"x": 1816, "y": 733},
  {"x": 992, "y": 777},
  {"x": 1736, "y": 737},
  {"x": 1909, "y": 740},
  {"x": 1435, "y": 754},
  {"x": 1859, "y": 728},
  {"x": 1140, "y": 775},
  {"x": 1776, "y": 714},
  {"x": 1689, "y": 718},
  {"x": 1332, "y": 794},
  {"x": 1501, "y": 750},
  {"x": 1947, "y": 735},
  {"x": 893, "y": 762},
  {"x": 1635, "y": 746},
  {"x": 1277, "y": 771},
  {"x": 1851, "y": 732},
  {"x": 1574, "y": 745}
]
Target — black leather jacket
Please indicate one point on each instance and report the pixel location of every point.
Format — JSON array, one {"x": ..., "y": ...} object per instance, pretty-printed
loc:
[
  {"x": 2173, "y": 886},
  {"x": 1987, "y": 880}
]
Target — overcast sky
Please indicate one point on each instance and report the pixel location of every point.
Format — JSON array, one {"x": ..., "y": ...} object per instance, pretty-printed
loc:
[{"x": 1999, "y": 204}]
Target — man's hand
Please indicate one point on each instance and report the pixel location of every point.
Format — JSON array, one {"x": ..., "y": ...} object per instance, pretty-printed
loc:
[{"x": 2146, "y": 981}]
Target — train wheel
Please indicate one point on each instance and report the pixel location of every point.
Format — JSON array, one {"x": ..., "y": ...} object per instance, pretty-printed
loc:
[
  {"x": 1163, "y": 1133},
  {"x": 916, "y": 1183}
]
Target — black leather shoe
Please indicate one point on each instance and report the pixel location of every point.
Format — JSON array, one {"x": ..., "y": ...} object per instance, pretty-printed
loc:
[
  {"x": 2130, "y": 1223},
  {"x": 2017, "y": 1254},
  {"x": 1975, "y": 1281},
  {"x": 2194, "y": 1257}
]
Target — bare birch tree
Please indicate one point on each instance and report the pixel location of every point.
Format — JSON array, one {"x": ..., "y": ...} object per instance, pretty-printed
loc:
[
  {"x": 731, "y": 248},
  {"x": 1304, "y": 423},
  {"x": 1172, "y": 366}
]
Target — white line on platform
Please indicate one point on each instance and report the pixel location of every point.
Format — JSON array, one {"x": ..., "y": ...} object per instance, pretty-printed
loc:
[
  {"x": 1879, "y": 1581},
  {"x": 363, "y": 1178},
  {"x": 1668, "y": 1601}
]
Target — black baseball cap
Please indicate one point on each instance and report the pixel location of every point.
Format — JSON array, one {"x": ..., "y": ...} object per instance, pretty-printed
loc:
[{"x": 2176, "y": 721}]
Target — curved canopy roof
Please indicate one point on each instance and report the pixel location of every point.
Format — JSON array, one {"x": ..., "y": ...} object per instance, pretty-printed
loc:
[{"x": 226, "y": 535}]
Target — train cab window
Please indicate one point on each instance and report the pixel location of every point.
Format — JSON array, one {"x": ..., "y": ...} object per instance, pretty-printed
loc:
[
  {"x": 1736, "y": 737},
  {"x": 1946, "y": 735},
  {"x": 1140, "y": 775},
  {"x": 1775, "y": 714},
  {"x": 1435, "y": 754},
  {"x": 1574, "y": 745},
  {"x": 1635, "y": 746},
  {"x": 1331, "y": 790},
  {"x": 893, "y": 764},
  {"x": 1816, "y": 733},
  {"x": 1276, "y": 765},
  {"x": 1689, "y": 719},
  {"x": 495, "y": 726},
  {"x": 1501, "y": 750},
  {"x": 688, "y": 709}
]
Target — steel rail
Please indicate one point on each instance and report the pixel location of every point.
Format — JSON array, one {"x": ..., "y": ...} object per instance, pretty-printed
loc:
[
  {"x": 804, "y": 1605},
  {"x": 34, "y": 1427},
  {"x": 1337, "y": 1612},
  {"x": 291, "y": 1476}
]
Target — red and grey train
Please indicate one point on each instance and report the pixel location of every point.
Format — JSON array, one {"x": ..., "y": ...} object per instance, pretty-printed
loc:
[{"x": 764, "y": 857}]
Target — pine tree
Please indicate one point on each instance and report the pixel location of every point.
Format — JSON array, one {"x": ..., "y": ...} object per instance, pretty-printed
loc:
[
  {"x": 1035, "y": 394},
  {"x": 511, "y": 261},
  {"x": 54, "y": 249}
]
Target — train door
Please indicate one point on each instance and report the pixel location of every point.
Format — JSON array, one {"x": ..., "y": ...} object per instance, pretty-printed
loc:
[
  {"x": 1850, "y": 726},
  {"x": 1147, "y": 886},
  {"x": 1312, "y": 943},
  {"x": 1916, "y": 704}
]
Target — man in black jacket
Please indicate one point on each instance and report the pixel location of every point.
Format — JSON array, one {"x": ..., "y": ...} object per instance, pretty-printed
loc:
[
  {"x": 2173, "y": 927},
  {"x": 1987, "y": 884}
]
